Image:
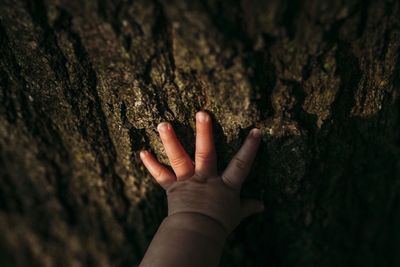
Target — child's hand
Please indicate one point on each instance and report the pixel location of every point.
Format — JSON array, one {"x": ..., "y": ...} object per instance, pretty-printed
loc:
[{"x": 198, "y": 188}]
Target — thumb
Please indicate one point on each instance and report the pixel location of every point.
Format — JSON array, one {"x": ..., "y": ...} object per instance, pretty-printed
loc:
[{"x": 250, "y": 206}]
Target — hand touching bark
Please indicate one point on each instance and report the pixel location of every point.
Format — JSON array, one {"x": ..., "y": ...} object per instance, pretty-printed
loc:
[{"x": 198, "y": 188}]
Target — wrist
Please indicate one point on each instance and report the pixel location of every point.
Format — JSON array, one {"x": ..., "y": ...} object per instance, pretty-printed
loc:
[{"x": 198, "y": 224}]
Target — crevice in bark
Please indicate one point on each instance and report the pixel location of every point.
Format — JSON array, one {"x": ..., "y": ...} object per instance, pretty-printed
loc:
[
  {"x": 163, "y": 35},
  {"x": 8, "y": 202},
  {"x": 306, "y": 120},
  {"x": 42, "y": 128},
  {"x": 396, "y": 76},
  {"x": 260, "y": 70},
  {"x": 262, "y": 78},
  {"x": 231, "y": 27},
  {"x": 110, "y": 12},
  {"x": 8, "y": 95},
  {"x": 289, "y": 16},
  {"x": 349, "y": 72},
  {"x": 362, "y": 24},
  {"x": 85, "y": 103},
  {"x": 94, "y": 124},
  {"x": 7, "y": 98}
]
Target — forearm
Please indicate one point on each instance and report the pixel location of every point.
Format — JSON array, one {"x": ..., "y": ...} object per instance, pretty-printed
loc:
[{"x": 186, "y": 240}]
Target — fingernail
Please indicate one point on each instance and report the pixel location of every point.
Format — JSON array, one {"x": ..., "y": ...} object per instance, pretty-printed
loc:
[
  {"x": 255, "y": 132},
  {"x": 143, "y": 153},
  {"x": 201, "y": 116},
  {"x": 163, "y": 127}
]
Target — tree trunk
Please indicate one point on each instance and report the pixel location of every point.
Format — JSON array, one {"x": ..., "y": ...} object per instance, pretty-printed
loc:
[{"x": 83, "y": 85}]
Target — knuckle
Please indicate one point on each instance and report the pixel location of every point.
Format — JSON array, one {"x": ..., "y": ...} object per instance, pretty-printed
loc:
[
  {"x": 187, "y": 175},
  {"x": 202, "y": 154},
  {"x": 160, "y": 173},
  {"x": 199, "y": 177},
  {"x": 229, "y": 183},
  {"x": 239, "y": 163},
  {"x": 205, "y": 156},
  {"x": 179, "y": 161}
]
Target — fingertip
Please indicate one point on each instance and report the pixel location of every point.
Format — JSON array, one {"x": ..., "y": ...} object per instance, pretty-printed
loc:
[
  {"x": 250, "y": 207},
  {"x": 163, "y": 127},
  {"x": 255, "y": 132},
  {"x": 143, "y": 153},
  {"x": 202, "y": 116}
]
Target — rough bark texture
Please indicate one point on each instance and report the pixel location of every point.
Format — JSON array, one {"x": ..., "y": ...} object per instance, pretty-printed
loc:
[{"x": 83, "y": 85}]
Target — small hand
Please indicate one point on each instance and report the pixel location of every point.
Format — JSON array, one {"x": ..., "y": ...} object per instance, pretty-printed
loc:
[{"x": 198, "y": 188}]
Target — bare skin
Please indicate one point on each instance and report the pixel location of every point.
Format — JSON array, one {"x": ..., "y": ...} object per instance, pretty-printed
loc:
[{"x": 204, "y": 207}]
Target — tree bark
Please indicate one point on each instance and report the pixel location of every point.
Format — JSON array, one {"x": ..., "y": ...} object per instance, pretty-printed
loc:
[{"x": 83, "y": 85}]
